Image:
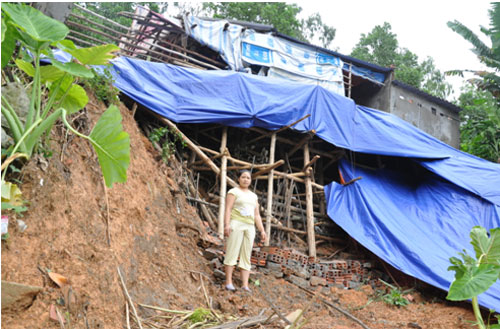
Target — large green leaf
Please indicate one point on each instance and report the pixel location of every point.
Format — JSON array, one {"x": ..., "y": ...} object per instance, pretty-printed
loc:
[
  {"x": 75, "y": 99},
  {"x": 74, "y": 69},
  {"x": 98, "y": 55},
  {"x": 48, "y": 73},
  {"x": 487, "y": 248},
  {"x": 473, "y": 282},
  {"x": 34, "y": 23},
  {"x": 9, "y": 35},
  {"x": 112, "y": 145}
]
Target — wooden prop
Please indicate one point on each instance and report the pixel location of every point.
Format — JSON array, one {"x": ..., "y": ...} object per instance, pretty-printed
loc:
[
  {"x": 223, "y": 183},
  {"x": 309, "y": 206}
]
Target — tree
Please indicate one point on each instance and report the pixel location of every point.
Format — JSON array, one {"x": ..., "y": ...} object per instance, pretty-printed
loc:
[
  {"x": 480, "y": 126},
  {"x": 381, "y": 47},
  {"x": 479, "y": 123},
  {"x": 279, "y": 14},
  {"x": 488, "y": 55}
]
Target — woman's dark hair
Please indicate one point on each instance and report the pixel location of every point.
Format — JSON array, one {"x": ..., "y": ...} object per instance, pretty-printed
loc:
[{"x": 242, "y": 171}]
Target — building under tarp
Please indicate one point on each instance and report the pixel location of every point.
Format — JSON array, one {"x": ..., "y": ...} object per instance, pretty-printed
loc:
[{"x": 414, "y": 211}]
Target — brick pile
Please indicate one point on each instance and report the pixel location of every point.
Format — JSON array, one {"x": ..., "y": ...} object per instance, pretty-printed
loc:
[{"x": 305, "y": 271}]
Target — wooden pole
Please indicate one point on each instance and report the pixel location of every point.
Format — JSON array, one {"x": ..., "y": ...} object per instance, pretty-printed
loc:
[
  {"x": 309, "y": 206},
  {"x": 223, "y": 183},
  {"x": 196, "y": 149},
  {"x": 270, "y": 190}
]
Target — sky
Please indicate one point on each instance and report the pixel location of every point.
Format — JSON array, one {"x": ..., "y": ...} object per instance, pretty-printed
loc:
[{"x": 420, "y": 27}]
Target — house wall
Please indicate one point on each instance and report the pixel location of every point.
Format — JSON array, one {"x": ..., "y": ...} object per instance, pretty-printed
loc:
[{"x": 434, "y": 119}]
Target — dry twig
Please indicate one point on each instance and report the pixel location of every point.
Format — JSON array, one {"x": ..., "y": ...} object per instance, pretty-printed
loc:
[{"x": 125, "y": 291}]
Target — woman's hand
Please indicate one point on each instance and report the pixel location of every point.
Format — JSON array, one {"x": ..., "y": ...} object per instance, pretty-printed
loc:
[
  {"x": 227, "y": 230},
  {"x": 263, "y": 236}
]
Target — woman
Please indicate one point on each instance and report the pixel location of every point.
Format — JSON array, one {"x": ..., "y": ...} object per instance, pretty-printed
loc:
[{"x": 240, "y": 217}]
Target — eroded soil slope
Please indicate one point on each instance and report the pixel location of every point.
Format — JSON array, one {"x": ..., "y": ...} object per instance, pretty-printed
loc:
[{"x": 68, "y": 234}]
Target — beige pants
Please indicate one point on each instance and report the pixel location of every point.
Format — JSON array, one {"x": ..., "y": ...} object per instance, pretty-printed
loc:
[{"x": 239, "y": 243}]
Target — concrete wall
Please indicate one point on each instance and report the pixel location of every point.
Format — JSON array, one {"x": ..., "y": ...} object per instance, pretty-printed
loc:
[
  {"x": 56, "y": 10},
  {"x": 382, "y": 99},
  {"x": 434, "y": 119}
]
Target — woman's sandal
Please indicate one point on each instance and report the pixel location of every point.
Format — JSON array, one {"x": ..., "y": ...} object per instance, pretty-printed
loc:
[
  {"x": 246, "y": 289},
  {"x": 230, "y": 287}
]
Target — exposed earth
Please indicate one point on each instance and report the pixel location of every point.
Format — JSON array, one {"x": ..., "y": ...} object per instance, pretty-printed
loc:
[{"x": 155, "y": 244}]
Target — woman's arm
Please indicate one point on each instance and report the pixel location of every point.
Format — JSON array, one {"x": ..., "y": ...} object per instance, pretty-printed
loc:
[
  {"x": 227, "y": 213},
  {"x": 258, "y": 223}
]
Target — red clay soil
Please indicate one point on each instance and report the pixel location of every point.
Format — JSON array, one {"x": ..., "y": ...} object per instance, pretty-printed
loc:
[{"x": 67, "y": 234}]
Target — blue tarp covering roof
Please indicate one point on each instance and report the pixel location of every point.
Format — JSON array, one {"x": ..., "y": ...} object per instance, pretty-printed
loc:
[{"x": 380, "y": 211}]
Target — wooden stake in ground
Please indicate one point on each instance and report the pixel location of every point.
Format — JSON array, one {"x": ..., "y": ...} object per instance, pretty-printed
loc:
[
  {"x": 270, "y": 190},
  {"x": 223, "y": 184},
  {"x": 309, "y": 205}
]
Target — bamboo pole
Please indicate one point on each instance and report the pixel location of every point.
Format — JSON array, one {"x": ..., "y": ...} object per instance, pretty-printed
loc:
[
  {"x": 270, "y": 169},
  {"x": 203, "y": 207},
  {"x": 270, "y": 190},
  {"x": 279, "y": 130},
  {"x": 309, "y": 206},
  {"x": 123, "y": 35},
  {"x": 223, "y": 183},
  {"x": 322, "y": 237},
  {"x": 310, "y": 163},
  {"x": 196, "y": 149}
]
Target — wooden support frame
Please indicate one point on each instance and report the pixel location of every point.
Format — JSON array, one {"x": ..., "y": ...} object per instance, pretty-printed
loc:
[
  {"x": 271, "y": 167},
  {"x": 196, "y": 149},
  {"x": 270, "y": 188},
  {"x": 309, "y": 206},
  {"x": 223, "y": 183},
  {"x": 310, "y": 163},
  {"x": 279, "y": 130}
]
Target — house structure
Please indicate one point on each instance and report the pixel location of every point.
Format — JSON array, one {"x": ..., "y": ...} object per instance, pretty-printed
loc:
[{"x": 380, "y": 179}]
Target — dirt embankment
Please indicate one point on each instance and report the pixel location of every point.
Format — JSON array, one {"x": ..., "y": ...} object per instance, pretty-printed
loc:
[{"x": 68, "y": 234}]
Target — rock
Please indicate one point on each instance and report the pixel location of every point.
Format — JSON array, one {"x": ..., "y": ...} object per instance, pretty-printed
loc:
[
  {"x": 298, "y": 281},
  {"x": 317, "y": 281},
  {"x": 18, "y": 98},
  {"x": 219, "y": 274},
  {"x": 6, "y": 139},
  {"x": 16, "y": 296},
  {"x": 210, "y": 253}
]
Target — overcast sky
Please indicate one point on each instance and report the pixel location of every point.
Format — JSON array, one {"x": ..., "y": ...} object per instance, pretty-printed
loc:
[{"x": 420, "y": 26}]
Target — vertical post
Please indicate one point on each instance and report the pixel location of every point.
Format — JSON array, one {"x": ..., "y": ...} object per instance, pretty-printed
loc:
[
  {"x": 223, "y": 184},
  {"x": 311, "y": 240},
  {"x": 350, "y": 81},
  {"x": 270, "y": 190}
]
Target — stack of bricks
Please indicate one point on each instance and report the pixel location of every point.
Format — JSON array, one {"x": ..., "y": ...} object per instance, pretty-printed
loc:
[{"x": 345, "y": 273}]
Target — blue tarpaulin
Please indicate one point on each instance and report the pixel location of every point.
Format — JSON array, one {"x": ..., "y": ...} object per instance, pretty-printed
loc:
[{"x": 416, "y": 228}]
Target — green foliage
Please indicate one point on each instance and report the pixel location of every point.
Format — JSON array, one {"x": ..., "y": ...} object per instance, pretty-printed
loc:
[
  {"x": 488, "y": 55},
  {"x": 112, "y": 145},
  {"x": 395, "y": 296},
  {"x": 167, "y": 139},
  {"x": 102, "y": 85},
  {"x": 200, "y": 315},
  {"x": 381, "y": 47},
  {"x": 281, "y": 15},
  {"x": 473, "y": 276},
  {"x": 38, "y": 33},
  {"x": 479, "y": 123}
]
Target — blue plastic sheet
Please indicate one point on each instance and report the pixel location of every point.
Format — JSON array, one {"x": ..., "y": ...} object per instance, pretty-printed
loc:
[{"x": 416, "y": 228}]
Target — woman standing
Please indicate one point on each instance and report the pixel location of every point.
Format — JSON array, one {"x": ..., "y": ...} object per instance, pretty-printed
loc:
[{"x": 240, "y": 217}]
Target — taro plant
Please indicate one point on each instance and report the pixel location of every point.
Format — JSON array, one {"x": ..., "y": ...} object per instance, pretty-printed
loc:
[
  {"x": 55, "y": 93},
  {"x": 473, "y": 276}
]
